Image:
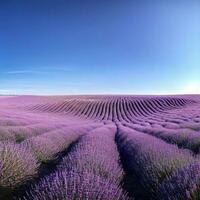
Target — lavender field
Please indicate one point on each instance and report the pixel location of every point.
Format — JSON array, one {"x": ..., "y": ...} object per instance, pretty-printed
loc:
[{"x": 100, "y": 147}]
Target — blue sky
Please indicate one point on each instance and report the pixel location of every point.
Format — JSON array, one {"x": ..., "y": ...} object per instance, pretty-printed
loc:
[{"x": 99, "y": 46}]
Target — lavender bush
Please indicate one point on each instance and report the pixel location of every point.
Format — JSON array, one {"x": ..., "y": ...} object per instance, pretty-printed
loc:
[
  {"x": 17, "y": 165},
  {"x": 184, "y": 184},
  {"x": 47, "y": 145},
  {"x": 96, "y": 152},
  {"x": 184, "y": 138},
  {"x": 69, "y": 185}
]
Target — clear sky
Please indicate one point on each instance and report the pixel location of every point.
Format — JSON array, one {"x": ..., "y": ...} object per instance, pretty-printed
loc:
[{"x": 99, "y": 46}]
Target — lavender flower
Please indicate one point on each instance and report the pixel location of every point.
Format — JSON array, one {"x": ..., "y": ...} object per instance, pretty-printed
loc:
[
  {"x": 184, "y": 184},
  {"x": 96, "y": 152},
  {"x": 17, "y": 165},
  {"x": 63, "y": 185}
]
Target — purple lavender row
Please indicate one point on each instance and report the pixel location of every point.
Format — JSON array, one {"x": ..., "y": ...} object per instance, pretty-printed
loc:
[
  {"x": 184, "y": 138},
  {"x": 46, "y": 146},
  {"x": 91, "y": 171},
  {"x": 34, "y": 125},
  {"x": 17, "y": 126},
  {"x": 148, "y": 161},
  {"x": 7, "y": 121},
  {"x": 69, "y": 185},
  {"x": 184, "y": 184},
  {"x": 18, "y": 165},
  {"x": 96, "y": 152},
  {"x": 20, "y": 133}
]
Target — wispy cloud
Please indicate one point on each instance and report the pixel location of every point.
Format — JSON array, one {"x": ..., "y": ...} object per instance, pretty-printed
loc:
[
  {"x": 12, "y": 91},
  {"x": 22, "y": 72},
  {"x": 4, "y": 90},
  {"x": 39, "y": 71}
]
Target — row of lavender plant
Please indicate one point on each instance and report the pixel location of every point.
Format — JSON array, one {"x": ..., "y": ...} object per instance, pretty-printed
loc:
[
  {"x": 90, "y": 171},
  {"x": 11, "y": 117},
  {"x": 149, "y": 161},
  {"x": 184, "y": 184},
  {"x": 184, "y": 138},
  {"x": 94, "y": 152},
  {"x": 20, "y": 133},
  {"x": 17, "y": 126},
  {"x": 17, "y": 165},
  {"x": 8, "y": 121},
  {"x": 46, "y": 146}
]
